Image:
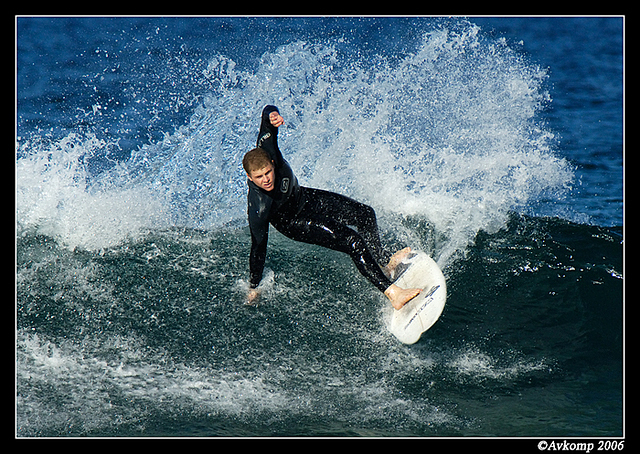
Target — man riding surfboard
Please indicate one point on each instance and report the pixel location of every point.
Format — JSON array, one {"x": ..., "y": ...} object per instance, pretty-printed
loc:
[{"x": 311, "y": 216}]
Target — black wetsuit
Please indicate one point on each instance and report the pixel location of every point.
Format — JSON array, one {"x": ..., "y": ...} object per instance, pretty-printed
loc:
[{"x": 311, "y": 216}]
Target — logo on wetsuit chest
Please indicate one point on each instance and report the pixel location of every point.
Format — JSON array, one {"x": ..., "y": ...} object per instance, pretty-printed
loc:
[{"x": 284, "y": 185}]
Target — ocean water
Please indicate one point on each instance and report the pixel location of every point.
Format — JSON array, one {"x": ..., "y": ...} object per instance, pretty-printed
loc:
[{"x": 493, "y": 144}]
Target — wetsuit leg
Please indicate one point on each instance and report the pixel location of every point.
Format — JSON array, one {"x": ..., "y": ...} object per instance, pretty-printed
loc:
[
  {"x": 349, "y": 212},
  {"x": 325, "y": 230}
]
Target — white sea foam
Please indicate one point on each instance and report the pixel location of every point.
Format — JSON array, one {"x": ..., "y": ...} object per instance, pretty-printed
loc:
[
  {"x": 56, "y": 195},
  {"x": 448, "y": 133},
  {"x": 478, "y": 365},
  {"x": 117, "y": 381}
]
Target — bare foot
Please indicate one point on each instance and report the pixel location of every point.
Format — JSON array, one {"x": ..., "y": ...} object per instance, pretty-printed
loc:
[
  {"x": 400, "y": 296},
  {"x": 395, "y": 260}
]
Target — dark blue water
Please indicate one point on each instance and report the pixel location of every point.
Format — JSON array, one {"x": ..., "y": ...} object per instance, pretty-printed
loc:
[{"x": 493, "y": 144}]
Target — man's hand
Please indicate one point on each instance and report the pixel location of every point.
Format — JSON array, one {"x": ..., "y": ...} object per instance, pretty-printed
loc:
[
  {"x": 276, "y": 119},
  {"x": 252, "y": 297}
]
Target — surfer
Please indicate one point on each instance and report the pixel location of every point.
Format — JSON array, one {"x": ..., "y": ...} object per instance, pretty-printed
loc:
[{"x": 311, "y": 216}]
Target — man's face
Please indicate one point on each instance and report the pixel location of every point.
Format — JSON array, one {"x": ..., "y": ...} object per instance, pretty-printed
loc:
[{"x": 263, "y": 178}]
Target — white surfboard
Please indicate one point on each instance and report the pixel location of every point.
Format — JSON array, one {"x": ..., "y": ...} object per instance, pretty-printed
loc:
[{"x": 419, "y": 314}]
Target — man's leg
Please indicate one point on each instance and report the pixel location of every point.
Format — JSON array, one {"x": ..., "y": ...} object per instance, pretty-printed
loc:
[
  {"x": 326, "y": 232},
  {"x": 316, "y": 224},
  {"x": 350, "y": 212}
]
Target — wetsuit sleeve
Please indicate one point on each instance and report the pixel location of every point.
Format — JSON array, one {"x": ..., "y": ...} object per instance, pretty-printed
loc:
[
  {"x": 268, "y": 136},
  {"x": 257, "y": 258},
  {"x": 257, "y": 209}
]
